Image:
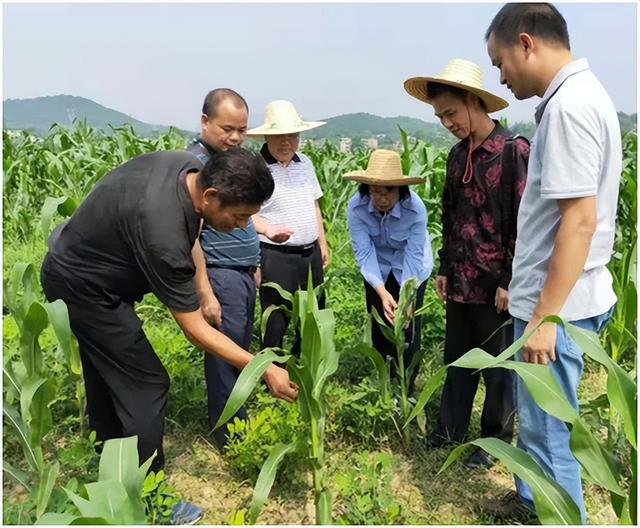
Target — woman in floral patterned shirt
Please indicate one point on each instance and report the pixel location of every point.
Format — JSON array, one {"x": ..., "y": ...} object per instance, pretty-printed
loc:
[{"x": 486, "y": 175}]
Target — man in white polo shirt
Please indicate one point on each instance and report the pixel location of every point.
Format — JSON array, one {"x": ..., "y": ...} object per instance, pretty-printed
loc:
[
  {"x": 294, "y": 203},
  {"x": 566, "y": 222}
]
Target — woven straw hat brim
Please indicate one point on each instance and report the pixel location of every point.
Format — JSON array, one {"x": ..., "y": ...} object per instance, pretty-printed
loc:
[
  {"x": 417, "y": 87},
  {"x": 361, "y": 177},
  {"x": 265, "y": 130}
]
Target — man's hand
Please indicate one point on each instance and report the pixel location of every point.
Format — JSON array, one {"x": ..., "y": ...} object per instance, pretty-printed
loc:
[
  {"x": 501, "y": 300},
  {"x": 388, "y": 304},
  {"x": 279, "y": 384},
  {"x": 326, "y": 255},
  {"x": 441, "y": 287},
  {"x": 211, "y": 310},
  {"x": 257, "y": 276},
  {"x": 277, "y": 233},
  {"x": 541, "y": 346}
]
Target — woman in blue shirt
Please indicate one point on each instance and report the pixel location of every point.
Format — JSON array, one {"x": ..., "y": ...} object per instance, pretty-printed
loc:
[{"x": 388, "y": 227}]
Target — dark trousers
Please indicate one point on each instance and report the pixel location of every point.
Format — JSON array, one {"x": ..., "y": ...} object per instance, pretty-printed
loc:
[
  {"x": 468, "y": 326},
  {"x": 236, "y": 292},
  {"x": 413, "y": 332},
  {"x": 126, "y": 385},
  {"x": 290, "y": 271}
]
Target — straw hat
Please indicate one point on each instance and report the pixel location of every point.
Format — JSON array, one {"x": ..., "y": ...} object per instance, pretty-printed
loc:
[
  {"x": 384, "y": 168},
  {"x": 281, "y": 117},
  {"x": 462, "y": 74}
]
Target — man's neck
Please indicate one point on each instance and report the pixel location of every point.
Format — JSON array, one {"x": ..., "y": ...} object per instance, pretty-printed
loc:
[
  {"x": 552, "y": 62},
  {"x": 483, "y": 127},
  {"x": 194, "y": 193}
]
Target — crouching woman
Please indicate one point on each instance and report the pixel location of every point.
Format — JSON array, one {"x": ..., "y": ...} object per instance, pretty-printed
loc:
[{"x": 388, "y": 227}]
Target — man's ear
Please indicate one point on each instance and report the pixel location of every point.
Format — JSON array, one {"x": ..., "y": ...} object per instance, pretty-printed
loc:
[
  {"x": 209, "y": 195},
  {"x": 204, "y": 120},
  {"x": 527, "y": 44}
]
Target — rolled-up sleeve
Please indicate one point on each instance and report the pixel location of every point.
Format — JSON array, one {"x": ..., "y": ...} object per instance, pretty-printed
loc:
[{"x": 363, "y": 248}]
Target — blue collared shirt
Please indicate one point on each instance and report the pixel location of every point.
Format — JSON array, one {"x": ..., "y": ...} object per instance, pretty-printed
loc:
[{"x": 396, "y": 242}]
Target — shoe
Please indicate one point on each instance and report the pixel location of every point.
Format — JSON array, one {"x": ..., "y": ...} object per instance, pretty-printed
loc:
[
  {"x": 510, "y": 508},
  {"x": 184, "y": 512},
  {"x": 479, "y": 459}
]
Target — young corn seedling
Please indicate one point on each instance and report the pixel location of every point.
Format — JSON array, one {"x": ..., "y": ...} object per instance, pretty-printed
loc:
[
  {"x": 404, "y": 319},
  {"x": 317, "y": 362}
]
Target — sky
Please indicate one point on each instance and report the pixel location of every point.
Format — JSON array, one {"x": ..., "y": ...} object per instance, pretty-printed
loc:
[{"x": 156, "y": 61}]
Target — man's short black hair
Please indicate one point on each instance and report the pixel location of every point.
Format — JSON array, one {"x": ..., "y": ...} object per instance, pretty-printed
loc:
[
  {"x": 540, "y": 20},
  {"x": 217, "y": 96},
  {"x": 364, "y": 189},
  {"x": 239, "y": 176},
  {"x": 434, "y": 89}
]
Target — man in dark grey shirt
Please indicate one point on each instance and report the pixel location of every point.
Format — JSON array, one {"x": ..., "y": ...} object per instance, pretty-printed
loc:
[{"x": 134, "y": 234}]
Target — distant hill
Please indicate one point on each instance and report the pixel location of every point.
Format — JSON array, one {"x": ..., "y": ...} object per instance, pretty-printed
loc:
[
  {"x": 38, "y": 114},
  {"x": 627, "y": 122}
]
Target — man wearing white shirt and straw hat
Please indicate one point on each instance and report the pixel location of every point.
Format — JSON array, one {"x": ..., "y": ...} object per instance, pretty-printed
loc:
[
  {"x": 486, "y": 174},
  {"x": 294, "y": 203}
]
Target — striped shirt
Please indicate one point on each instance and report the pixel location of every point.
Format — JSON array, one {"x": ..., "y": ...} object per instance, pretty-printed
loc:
[
  {"x": 293, "y": 200},
  {"x": 239, "y": 247}
]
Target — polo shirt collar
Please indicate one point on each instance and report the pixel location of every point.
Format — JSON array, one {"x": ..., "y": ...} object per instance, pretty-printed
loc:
[
  {"x": 489, "y": 144},
  {"x": 210, "y": 148},
  {"x": 565, "y": 72},
  {"x": 268, "y": 157}
]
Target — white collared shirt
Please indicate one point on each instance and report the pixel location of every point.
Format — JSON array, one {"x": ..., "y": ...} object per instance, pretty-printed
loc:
[{"x": 575, "y": 152}]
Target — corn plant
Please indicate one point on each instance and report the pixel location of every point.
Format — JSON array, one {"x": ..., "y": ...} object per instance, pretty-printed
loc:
[
  {"x": 552, "y": 503},
  {"x": 117, "y": 497},
  {"x": 28, "y": 390},
  {"x": 404, "y": 317},
  {"x": 318, "y": 361}
]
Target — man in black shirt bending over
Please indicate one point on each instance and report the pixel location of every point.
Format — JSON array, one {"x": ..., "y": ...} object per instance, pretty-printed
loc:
[{"x": 133, "y": 234}]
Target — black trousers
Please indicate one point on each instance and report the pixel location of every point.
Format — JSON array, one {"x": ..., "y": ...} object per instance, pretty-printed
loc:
[
  {"x": 468, "y": 326},
  {"x": 126, "y": 384},
  {"x": 412, "y": 334},
  {"x": 290, "y": 271},
  {"x": 236, "y": 292}
]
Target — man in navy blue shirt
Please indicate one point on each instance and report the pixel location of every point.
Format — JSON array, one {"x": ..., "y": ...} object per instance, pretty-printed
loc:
[{"x": 228, "y": 263}]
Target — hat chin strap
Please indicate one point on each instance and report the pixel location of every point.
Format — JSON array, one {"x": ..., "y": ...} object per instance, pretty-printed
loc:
[{"x": 468, "y": 166}]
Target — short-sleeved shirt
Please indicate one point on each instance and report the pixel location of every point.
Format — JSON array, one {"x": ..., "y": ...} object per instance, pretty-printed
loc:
[
  {"x": 575, "y": 152},
  {"x": 293, "y": 202},
  {"x": 239, "y": 247},
  {"x": 396, "y": 242},
  {"x": 133, "y": 234},
  {"x": 475, "y": 210}
]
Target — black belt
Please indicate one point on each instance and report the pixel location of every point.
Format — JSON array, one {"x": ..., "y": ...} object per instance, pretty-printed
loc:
[
  {"x": 242, "y": 269},
  {"x": 298, "y": 250}
]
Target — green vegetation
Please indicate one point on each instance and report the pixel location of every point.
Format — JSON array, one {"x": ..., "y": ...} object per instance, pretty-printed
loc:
[{"x": 358, "y": 462}]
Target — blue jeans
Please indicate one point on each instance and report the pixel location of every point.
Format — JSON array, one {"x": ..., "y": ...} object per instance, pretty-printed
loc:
[{"x": 543, "y": 436}]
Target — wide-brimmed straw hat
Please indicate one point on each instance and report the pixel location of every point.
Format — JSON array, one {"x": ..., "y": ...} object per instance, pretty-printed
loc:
[
  {"x": 281, "y": 117},
  {"x": 460, "y": 73},
  {"x": 384, "y": 168}
]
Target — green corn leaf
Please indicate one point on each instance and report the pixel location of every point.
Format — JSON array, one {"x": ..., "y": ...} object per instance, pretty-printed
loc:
[
  {"x": 593, "y": 458},
  {"x": 18, "y": 475},
  {"x": 32, "y": 454},
  {"x": 106, "y": 499},
  {"x": 35, "y": 321},
  {"x": 59, "y": 519},
  {"x": 328, "y": 356},
  {"x": 544, "y": 389},
  {"x": 59, "y": 319},
  {"x": 476, "y": 358},
  {"x": 310, "y": 408},
  {"x": 247, "y": 380},
  {"x": 324, "y": 506},
  {"x": 552, "y": 503},
  {"x": 380, "y": 366},
  {"x": 48, "y": 478},
  {"x": 36, "y": 397},
  {"x": 621, "y": 388},
  {"x": 387, "y": 331},
  {"x": 427, "y": 391},
  {"x": 63, "y": 205},
  {"x": 267, "y": 313},
  {"x": 11, "y": 381},
  {"x": 287, "y": 296},
  {"x": 267, "y": 476}
]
